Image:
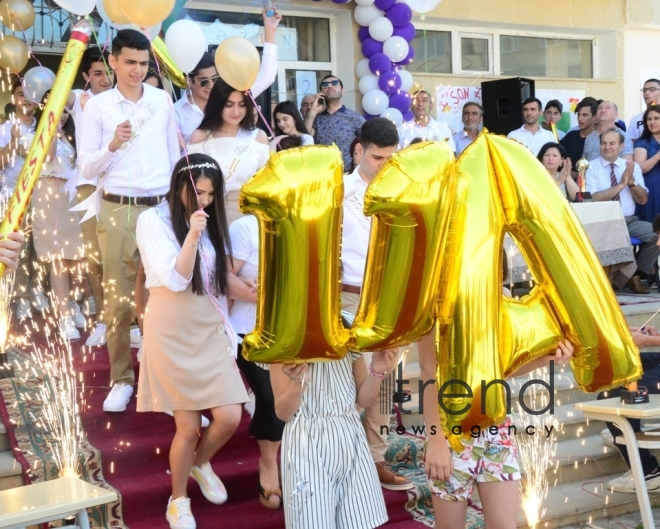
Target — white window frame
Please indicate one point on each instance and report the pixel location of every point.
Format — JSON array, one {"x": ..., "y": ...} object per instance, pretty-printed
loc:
[
  {"x": 494, "y": 48},
  {"x": 457, "y": 52}
]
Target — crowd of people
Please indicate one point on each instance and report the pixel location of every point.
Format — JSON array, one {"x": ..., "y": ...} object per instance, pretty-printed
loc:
[{"x": 170, "y": 265}]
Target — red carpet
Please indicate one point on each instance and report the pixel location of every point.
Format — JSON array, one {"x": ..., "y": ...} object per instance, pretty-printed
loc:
[{"x": 135, "y": 450}]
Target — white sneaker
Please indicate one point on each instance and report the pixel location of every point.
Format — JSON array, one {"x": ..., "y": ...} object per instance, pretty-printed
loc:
[
  {"x": 23, "y": 309},
  {"x": 77, "y": 316},
  {"x": 205, "y": 421},
  {"x": 39, "y": 301},
  {"x": 68, "y": 329},
  {"x": 136, "y": 337},
  {"x": 211, "y": 486},
  {"x": 179, "y": 514},
  {"x": 98, "y": 337},
  {"x": 250, "y": 404},
  {"x": 607, "y": 438},
  {"x": 626, "y": 484},
  {"x": 89, "y": 307},
  {"x": 118, "y": 398},
  {"x": 139, "y": 353}
]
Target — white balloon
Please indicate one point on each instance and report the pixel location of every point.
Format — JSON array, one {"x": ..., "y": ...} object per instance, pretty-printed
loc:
[
  {"x": 381, "y": 29},
  {"x": 394, "y": 115},
  {"x": 422, "y": 6},
  {"x": 396, "y": 48},
  {"x": 77, "y": 7},
  {"x": 407, "y": 80},
  {"x": 375, "y": 102},
  {"x": 364, "y": 2},
  {"x": 365, "y": 14},
  {"x": 151, "y": 33},
  {"x": 36, "y": 82},
  {"x": 368, "y": 83},
  {"x": 186, "y": 44},
  {"x": 362, "y": 68}
]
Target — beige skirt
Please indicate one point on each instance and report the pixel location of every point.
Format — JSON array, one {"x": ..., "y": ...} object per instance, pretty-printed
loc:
[
  {"x": 231, "y": 207},
  {"x": 56, "y": 230},
  {"x": 186, "y": 355}
]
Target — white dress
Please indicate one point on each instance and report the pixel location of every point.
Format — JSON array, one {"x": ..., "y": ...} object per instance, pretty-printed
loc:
[{"x": 239, "y": 157}]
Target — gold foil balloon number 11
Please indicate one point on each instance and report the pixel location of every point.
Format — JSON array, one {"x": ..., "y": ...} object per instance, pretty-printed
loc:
[{"x": 435, "y": 256}]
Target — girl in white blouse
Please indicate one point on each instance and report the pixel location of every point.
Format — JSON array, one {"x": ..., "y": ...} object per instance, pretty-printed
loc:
[
  {"x": 189, "y": 349},
  {"x": 289, "y": 122},
  {"x": 227, "y": 134}
]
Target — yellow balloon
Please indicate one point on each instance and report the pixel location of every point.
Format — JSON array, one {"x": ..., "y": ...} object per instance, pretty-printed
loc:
[
  {"x": 297, "y": 198},
  {"x": 237, "y": 61},
  {"x": 146, "y": 13},
  {"x": 115, "y": 13},
  {"x": 13, "y": 54},
  {"x": 17, "y": 15},
  {"x": 503, "y": 188},
  {"x": 167, "y": 64},
  {"x": 410, "y": 200}
]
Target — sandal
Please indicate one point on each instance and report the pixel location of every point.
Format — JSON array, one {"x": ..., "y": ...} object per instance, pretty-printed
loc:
[{"x": 265, "y": 495}]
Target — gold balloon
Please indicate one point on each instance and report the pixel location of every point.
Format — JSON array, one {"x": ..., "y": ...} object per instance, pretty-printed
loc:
[
  {"x": 146, "y": 13},
  {"x": 167, "y": 64},
  {"x": 237, "y": 61},
  {"x": 297, "y": 198},
  {"x": 115, "y": 13},
  {"x": 13, "y": 54},
  {"x": 503, "y": 188},
  {"x": 410, "y": 200},
  {"x": 17, "y": 15}
]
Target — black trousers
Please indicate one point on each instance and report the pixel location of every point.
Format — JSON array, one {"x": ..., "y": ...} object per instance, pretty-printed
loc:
[
  {"x": 651, "y": 380},
  {"x": 265, "y": 425}
]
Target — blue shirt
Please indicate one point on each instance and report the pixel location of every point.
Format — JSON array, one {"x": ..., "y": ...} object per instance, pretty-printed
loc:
[{"x": 340, "y": 128}]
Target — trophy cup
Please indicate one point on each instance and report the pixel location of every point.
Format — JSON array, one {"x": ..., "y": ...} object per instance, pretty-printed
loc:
[{"x": 582, "y": 196}]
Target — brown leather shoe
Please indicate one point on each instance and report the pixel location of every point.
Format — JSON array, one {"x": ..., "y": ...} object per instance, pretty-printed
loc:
[
  {"x": 636, "y": 286},
  {"x": 390, "y": 480}
]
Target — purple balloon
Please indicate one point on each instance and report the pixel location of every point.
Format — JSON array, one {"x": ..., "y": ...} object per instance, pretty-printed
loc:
[
  {"x": 341, "y": 1},
  {"x": 409, "y": 58},
  {"x": 379, "y": 63},
  {"x": 389, "y": 82},
  {"x": 371, "y": 46},
  {"x": 401, "y": 101},
  {"x": 369, "y": 116},
  {"x": 407, "y": 32},
  {"x": 384, "y": 5},
  {"x": 408, "y": 115},
  {"x": 399, "y": 14},
  {"x": 363, "y": 33}
]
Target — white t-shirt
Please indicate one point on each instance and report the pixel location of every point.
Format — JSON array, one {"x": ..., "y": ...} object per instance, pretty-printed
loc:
[
  {"x": 635, "y": 127},
  {"x": 433, "y": 131},
  {"x": 356, "y": 230},
  {"x": 533, "y": 141}
]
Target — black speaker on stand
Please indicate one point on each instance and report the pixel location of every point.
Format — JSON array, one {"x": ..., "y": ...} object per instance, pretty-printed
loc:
[{"x": 502, "y": 102}]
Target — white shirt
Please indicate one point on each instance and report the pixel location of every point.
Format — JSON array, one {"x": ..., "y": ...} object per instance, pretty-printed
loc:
[
  {"x": 598, "y": 179},
  {"x": 13, "y": 166},
  {"x": 434, "y": 131},
  {"x": 76, "y": 112},
  {"x": 188, "y": 115},
  {"x": 635, "y": 127},
  {"x": 244, "y": 236},
  {"x": 143, "y": 166},
  {"x": 461, "y": 140},
  {"x": 159, "y": 249},
  {"x": 533, "y": 142},
  {"x": 356, "y": 230}
]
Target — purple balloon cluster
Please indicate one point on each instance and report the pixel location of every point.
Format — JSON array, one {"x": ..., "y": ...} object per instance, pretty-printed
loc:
[{"x": 389, "y": 81}]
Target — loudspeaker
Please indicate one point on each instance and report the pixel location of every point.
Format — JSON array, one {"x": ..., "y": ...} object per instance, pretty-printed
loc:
[{"x": 502, "y": 102}]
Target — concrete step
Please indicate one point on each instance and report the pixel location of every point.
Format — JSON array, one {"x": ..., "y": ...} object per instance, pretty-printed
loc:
[
  {"x": 11, "y": 473},
  {"x": 582, "y": 502},
  {"x": 642, "y": 314},
  {"x": 4, "y": 439}
]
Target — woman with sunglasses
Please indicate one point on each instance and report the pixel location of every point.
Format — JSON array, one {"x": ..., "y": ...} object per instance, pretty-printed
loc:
[
  {"x": 228, "y": 135},
  {"x": 189, "y": 110},
  {"x": 289, "y": 122}
]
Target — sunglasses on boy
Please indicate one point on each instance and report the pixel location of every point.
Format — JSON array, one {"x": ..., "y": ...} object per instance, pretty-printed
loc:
[
  {"x": 205, "y": 82},
  {"x": 326, "y": 84}
]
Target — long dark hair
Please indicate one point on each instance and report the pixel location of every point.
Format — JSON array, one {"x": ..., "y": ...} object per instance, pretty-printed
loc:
[
  {"x": 69, "y": 127},
  {"x": 646, "y": 133},
  {"x": 288, "y": 108},
  {"x": 201, "y": 166},
  {"x": 217, "y": 100}
]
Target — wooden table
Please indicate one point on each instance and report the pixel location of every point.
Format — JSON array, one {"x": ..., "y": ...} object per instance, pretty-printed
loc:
[
  {"x": 608, "y": 233},
  {"x": 612, "y": 410}
]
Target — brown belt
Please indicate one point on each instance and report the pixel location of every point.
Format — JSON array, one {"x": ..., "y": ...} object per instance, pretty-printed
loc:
[
  {"x": 351, "y": 289},
  {"x": 133, "y": 201}
]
